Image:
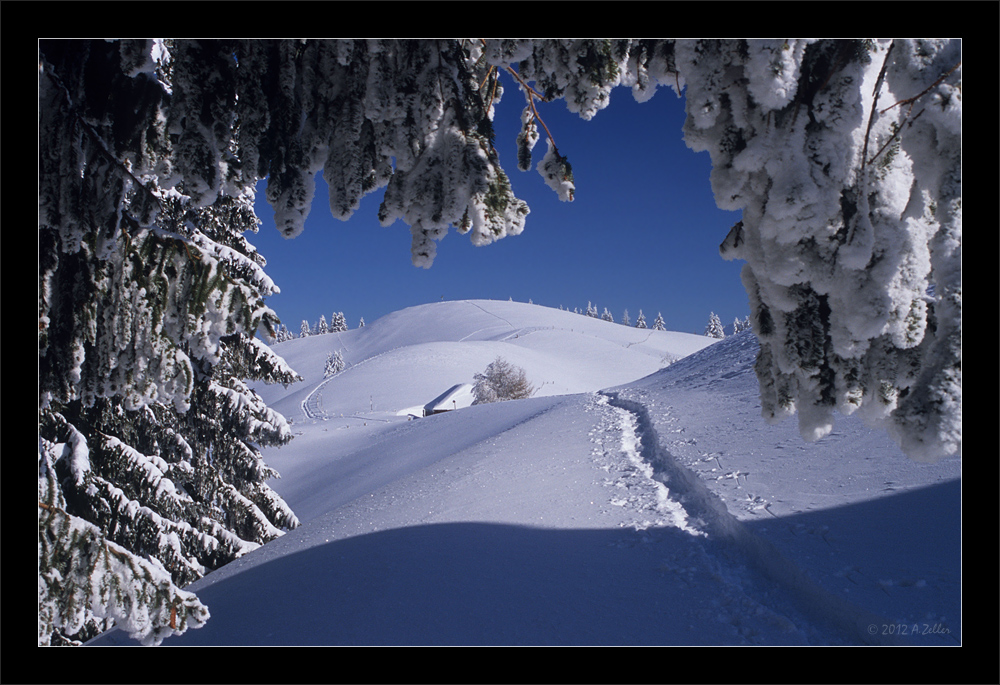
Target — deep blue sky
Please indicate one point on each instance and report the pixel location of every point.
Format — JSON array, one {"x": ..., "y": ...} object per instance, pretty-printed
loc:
[{"x": 642, "y": 233}]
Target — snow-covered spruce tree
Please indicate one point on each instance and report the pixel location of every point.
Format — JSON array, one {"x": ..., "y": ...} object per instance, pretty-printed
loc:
[
  {"x": 640, "y": 322},
  {"x": 606, "y": 316},
  {"x": 845, "y": 158},
  {"x": 334, "y": 364},
  {"x": 501, "y": 381},
  {"x": 625, "y": 319},
  {"x": 659, "y": 324},
  {"x": 714, "y": 328},
  {"x": 338, "y": 323},
  {"x": 149, "y": 296},
  {"x": 163, "y": 488},
  {"x": 322, "y": 328}
]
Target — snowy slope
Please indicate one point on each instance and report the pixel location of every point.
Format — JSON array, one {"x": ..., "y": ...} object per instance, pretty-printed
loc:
[
  {"x": 410, "y": 357},
  {"x": 659, "y": 511},
  {"x": 858, "y": 519}
]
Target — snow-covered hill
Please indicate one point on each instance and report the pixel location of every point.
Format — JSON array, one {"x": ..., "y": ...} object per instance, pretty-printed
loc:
[
  {"x": 635, "y": 499},
  {"x": 410, "y": 357}
]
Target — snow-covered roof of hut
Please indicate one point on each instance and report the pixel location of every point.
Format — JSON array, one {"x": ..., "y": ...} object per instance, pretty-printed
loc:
[{"x": 456, "y": 397}]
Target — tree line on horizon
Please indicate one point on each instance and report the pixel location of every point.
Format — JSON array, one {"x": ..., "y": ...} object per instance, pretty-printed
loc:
[{"x": 337, "y": 324}]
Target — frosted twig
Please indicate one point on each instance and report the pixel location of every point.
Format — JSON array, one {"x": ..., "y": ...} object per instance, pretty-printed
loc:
[
  {"x": 871, "y": 115},
  {"x": 896, "y": 134},
  {"x": 926, "y": 90},
  {"x": 170, "y": 235},
  {"x": 531, "y": 94},
  {"x": 57, "y": 510},
  {"x": 908, "y": 101},
  {"x": 489, "y": 72}
]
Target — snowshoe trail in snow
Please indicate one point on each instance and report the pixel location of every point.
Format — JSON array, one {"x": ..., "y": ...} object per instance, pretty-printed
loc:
[
  {"x": 633, "y": 480},
  {"x": 759, "y": 593}
]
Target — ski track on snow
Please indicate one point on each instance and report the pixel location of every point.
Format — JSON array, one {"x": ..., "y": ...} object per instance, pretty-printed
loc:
[
  {"x": 486, "y": 311},
  {"x": 312, "y": 405}
]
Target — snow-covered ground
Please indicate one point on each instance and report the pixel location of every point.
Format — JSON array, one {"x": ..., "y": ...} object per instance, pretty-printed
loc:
[{"x": 637, "y": 499}]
